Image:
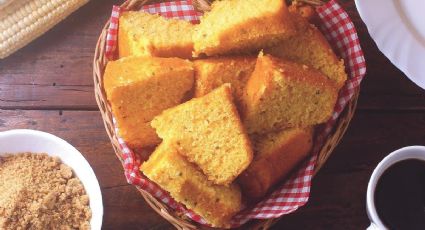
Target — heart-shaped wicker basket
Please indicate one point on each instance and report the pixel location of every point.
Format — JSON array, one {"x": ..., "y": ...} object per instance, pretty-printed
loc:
[{"x": 177, "y": 219}]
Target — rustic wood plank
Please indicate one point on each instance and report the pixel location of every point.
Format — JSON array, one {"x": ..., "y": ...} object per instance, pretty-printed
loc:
[
  {"x": 84, "y": 130},
  {"x": 338, "y": 197},
  {"x": 125, "y": 209},
  {"x": 338, "y": 192},
  {"x": 55, "y": 72},
  {"x": 374, "y": 134},
  {"x": 337, "y": 202}
]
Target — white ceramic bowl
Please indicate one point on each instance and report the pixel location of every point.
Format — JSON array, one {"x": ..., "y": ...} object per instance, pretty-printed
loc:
[{"x": 25, "y": 140}]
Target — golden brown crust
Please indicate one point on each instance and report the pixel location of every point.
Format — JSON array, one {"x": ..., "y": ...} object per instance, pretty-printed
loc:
[
  {"x": 187, "y": 185},
  {"x": 306, "y": 11},
  {"x": 124, "y": 49},
  {"x": 242, "y": 29},
  {"x": 147, "y": 34},
  {"x": 139, "y": 88},
  {"x": 213, "y": 72},
  {"x": 198, "y": 163},
  {"x": 302, "y": 73},
  {"x": 309, "y": 46},
  {"x": 260, "y": 80},
  {"x": 275, "y": 162},
  {"x": 209, "y": 132},
  {"x": 281, "y": 93}
]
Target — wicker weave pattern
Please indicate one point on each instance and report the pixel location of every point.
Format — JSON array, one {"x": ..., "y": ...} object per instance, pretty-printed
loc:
[
  {"x": 23, "y": 21},
  {"x": 178, "y": 220}
]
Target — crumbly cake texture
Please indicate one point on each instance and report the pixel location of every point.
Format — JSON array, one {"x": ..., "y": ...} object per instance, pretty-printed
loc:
[
  {"x": 139, "y": 88},
  {"x": 188, "y": 185},
  {"x": 282, "y": 94},
  {"x": 39, "y": 192},
  {"x": 308, "y": 46},
  {"x": 240, "y": 26},
  {"x": 209, "y": 132},
  {"x": 306, "y": 11},
  {"x": 214, "y": 72},
  {"x": 276, "y": 155},
  {"x": 147, "y": 34}
]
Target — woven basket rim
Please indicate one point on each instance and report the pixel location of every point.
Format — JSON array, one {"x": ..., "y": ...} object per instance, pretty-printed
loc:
[{"x": 175, "y": 218}]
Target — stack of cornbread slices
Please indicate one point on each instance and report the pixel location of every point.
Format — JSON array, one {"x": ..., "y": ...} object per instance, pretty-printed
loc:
[{"x": 228, "y": 105}]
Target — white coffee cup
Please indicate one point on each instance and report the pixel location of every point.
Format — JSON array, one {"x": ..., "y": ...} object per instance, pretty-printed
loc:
[{"x": 411, "y": 152}]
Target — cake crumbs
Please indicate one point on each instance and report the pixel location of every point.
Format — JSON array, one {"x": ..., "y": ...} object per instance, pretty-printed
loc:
[{"x": 39, "y": 192}]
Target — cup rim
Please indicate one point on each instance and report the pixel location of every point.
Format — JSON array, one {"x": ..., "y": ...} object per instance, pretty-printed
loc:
[{"x": 409, "y": 152}]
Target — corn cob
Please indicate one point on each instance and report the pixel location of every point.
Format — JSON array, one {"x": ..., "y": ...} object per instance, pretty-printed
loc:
[{"x": 25, "y": 20}]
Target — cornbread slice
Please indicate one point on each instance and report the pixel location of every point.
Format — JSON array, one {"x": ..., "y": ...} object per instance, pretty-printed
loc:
[
  {"x": 234, "y": 26},
  {"x": 139, "y": 88},
  {"x": 306, "y": 11},
  {"x": 208, "y": 131},
  {"x": 187, "y": 185},
  {"x": 145, "y": 34},
  {"x": 276, "y": 154},
  {"x": 214, "y": 72},
  {"x": 310, "y": 47},
  {"x": 283, "y": 94}
]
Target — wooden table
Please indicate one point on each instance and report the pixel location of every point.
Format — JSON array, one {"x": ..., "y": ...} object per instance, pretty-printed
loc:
[{"x": 48, "y": 86}]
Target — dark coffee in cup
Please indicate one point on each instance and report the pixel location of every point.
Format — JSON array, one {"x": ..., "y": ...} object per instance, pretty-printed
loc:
[{"x": 400, "y": 195}]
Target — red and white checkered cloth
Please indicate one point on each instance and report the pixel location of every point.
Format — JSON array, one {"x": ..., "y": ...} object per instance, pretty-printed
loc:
[{"x": 294, "y": 193}]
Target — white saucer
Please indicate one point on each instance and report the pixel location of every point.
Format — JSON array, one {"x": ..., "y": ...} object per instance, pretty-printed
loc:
[
  {"x": 398, "y": 28},
  {"x": 25, "y": 140}
]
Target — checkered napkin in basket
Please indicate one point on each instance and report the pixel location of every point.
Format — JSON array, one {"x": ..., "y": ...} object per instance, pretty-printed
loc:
[{"x": 294, "y": 193}]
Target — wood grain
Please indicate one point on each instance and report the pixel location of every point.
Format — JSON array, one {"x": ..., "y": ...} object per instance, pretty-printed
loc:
[
  {"x": 338, "y": 191},
  {"x": 82, "y": 129},
  {"x": 338, "y": 198},
  {"x": 55, "y": 72},
  {"x": 126, "y": 209},
  {"x": 48, "y": 86}
]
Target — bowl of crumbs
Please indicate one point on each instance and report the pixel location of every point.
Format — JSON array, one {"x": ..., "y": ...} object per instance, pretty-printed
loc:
[{"x": 46, "y": 183}]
